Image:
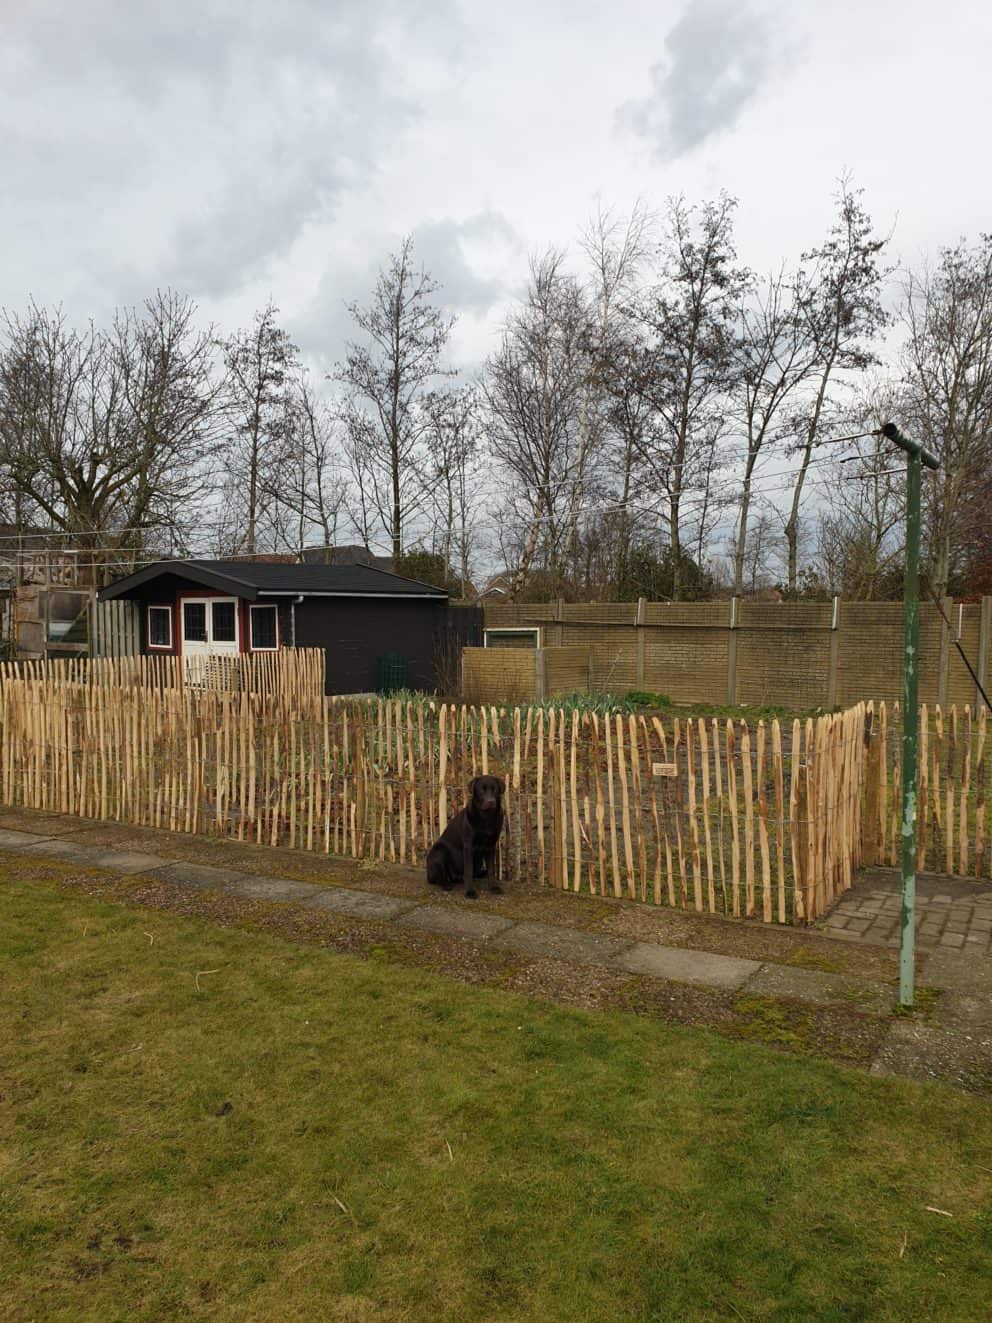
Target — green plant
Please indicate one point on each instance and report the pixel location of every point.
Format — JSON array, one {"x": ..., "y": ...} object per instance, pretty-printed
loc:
[
  {"x": 602, "y": 704},
  {"x": 644, "y": 698}
]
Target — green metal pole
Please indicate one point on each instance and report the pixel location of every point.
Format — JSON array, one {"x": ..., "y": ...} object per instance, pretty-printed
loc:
[
  {"x": 910, "y": 728},
  {"x": 916, "y": 458}
]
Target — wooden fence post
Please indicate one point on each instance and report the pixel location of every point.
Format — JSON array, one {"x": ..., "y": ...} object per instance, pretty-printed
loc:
[
  {"x": 832, "y": 656},
  {"x": 641, "y": 640},
  {"x": 874, "y": 753},
  {"x": 732, "y": 653}
]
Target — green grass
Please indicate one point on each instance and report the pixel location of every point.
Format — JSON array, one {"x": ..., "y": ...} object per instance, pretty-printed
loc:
[
  {"x": 640, "y": 699},
  {"x": 313, "y": 1136}
]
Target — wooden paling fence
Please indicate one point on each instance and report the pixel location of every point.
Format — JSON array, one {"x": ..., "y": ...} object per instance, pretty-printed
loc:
[
  {"x": 757, "y": 820},
  {"x": 294, "y": 676},
  {"x": 952, "y": 790}
]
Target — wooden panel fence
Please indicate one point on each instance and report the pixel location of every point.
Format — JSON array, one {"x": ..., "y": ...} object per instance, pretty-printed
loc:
[
  {"x": 797, "y": 655},
  {"x": 114, "y": 628},
  {"x": 712, "y": 816}
]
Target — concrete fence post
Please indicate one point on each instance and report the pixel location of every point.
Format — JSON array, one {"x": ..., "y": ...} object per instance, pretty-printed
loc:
[
  {"x": 944, "y": 664},
  {"x": 732, "y": 653},
  {"x": 641, "y": 642},
  {"x": 540, "y": 674},
  {"x": 984, "y": 630},
  {"x": 833, "y": 654}
]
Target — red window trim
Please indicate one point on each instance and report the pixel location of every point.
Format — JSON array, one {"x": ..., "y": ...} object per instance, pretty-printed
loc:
[
  {"x": 257, "y": 606},
  {"x": 160, "y": 606}
]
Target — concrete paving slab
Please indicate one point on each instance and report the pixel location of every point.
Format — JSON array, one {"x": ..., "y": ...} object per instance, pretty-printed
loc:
[
  {"x": 713, "y": 971},
  {"x": 201, "y": 876},
  {"x": 69, "y": 850},
  {"x": 546, "y": 939},
  {"x": 826, "y": 989},
  {"x": 19, "y": 840},
  {"x": 451, "y": 922},
  {"x": 123, "y": 861},
  {"x": 360, "y": 904},
  {"x": 271, "y": 888}
]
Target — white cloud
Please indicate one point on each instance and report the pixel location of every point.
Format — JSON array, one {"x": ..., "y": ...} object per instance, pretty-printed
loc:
[{"x": 718, "y": 55}]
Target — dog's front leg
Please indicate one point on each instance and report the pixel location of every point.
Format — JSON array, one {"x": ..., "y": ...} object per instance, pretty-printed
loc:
[{"x": 468, "y": 858}]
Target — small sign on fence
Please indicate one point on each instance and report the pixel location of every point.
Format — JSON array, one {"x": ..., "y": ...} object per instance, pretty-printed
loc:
[{"x": 664, "y": 769}]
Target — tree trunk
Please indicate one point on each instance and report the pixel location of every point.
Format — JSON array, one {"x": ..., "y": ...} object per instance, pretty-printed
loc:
[
  {"x": 580, "y": 464},
  {"x": 674, "y": 502},
  {"x": 523, "y": 566},
  {"x": 741, "y": 547}
]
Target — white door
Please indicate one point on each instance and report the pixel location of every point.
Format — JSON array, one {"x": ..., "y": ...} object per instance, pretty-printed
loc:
[{"x": 210, "y": 629}]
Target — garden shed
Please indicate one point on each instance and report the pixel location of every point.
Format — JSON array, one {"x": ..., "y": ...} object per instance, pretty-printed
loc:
[{"x": 375, "y": 627}]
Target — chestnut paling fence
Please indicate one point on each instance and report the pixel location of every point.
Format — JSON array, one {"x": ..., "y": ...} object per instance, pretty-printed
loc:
[
  {"x": 293, "y": 676},
  {"x": 762, "y": 819},
  {"x": 707, "y": 815}
]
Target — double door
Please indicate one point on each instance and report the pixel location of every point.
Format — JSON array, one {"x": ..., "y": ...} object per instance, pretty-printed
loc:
[{"x": 210, "y": 629}]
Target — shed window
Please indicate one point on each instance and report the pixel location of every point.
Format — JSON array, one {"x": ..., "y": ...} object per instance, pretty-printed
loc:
[
  {"x": 225, "y": 628},
  {"x": 160, "y": 626},
  {"x": 264, "y": 629}
]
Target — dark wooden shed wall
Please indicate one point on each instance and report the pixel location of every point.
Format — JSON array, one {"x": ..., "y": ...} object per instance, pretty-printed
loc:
[{"x": 357, "y": 632}]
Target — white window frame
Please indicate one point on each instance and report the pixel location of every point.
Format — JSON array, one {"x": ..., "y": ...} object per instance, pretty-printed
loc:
[
  {"x": 261, "y": 606},
  {"x": 159, "y": 647},
  {"x": 535, "y": 630}
]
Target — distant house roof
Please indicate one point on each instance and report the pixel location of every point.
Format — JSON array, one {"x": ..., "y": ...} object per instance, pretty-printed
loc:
[
  {"x": 251, "y": 579},
  {"x": 353, "y": 554}
]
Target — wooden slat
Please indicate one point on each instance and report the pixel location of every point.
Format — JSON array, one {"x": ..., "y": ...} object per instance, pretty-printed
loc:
[{"x": 704, "y": 759}]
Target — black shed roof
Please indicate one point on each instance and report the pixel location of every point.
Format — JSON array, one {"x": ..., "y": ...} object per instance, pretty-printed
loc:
[{"x": 252, "y": 579}]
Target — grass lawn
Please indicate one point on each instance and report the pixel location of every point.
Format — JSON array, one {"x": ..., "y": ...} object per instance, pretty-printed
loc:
[{"x": 313, "y": 1136}]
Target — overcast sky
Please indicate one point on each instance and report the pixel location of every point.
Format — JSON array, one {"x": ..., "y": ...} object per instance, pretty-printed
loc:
[{"x": 237, "y": 149}]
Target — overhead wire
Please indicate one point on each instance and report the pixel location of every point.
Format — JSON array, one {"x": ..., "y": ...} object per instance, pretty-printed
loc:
[{"x": 113, "y": 557}]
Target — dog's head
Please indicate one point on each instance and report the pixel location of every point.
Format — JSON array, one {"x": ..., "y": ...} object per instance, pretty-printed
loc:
[{"x": 485, "y": 794}]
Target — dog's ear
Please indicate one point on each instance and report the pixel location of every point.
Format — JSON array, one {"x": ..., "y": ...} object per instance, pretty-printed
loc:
[
  {"x": 471, "y": 787},
  {"x": 502, "y": 785}
]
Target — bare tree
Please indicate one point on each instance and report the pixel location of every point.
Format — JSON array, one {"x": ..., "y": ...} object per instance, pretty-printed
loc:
[
  {"x": 776, "y": 354},
  {"x": 948, "y": 367},
  {"x": 260, "y": 361},
  {"x": 107, "y": 434},
  {"x": 386, "y": 378},
  {"x": 838, "y": 295},
  {"x": 533, "y": 387},
  {"x": 454, "y": 473},
  {"x": 615, "y": 249},
  {"x": 308, "y": 492},
  {"x": 759, "y": 557},
  {"x": 683, "y": 363},
  {"x": 861, "y": 522}
]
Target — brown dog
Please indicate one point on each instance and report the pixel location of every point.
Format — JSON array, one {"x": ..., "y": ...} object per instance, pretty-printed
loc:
[{"x": 466, "y": 849}]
